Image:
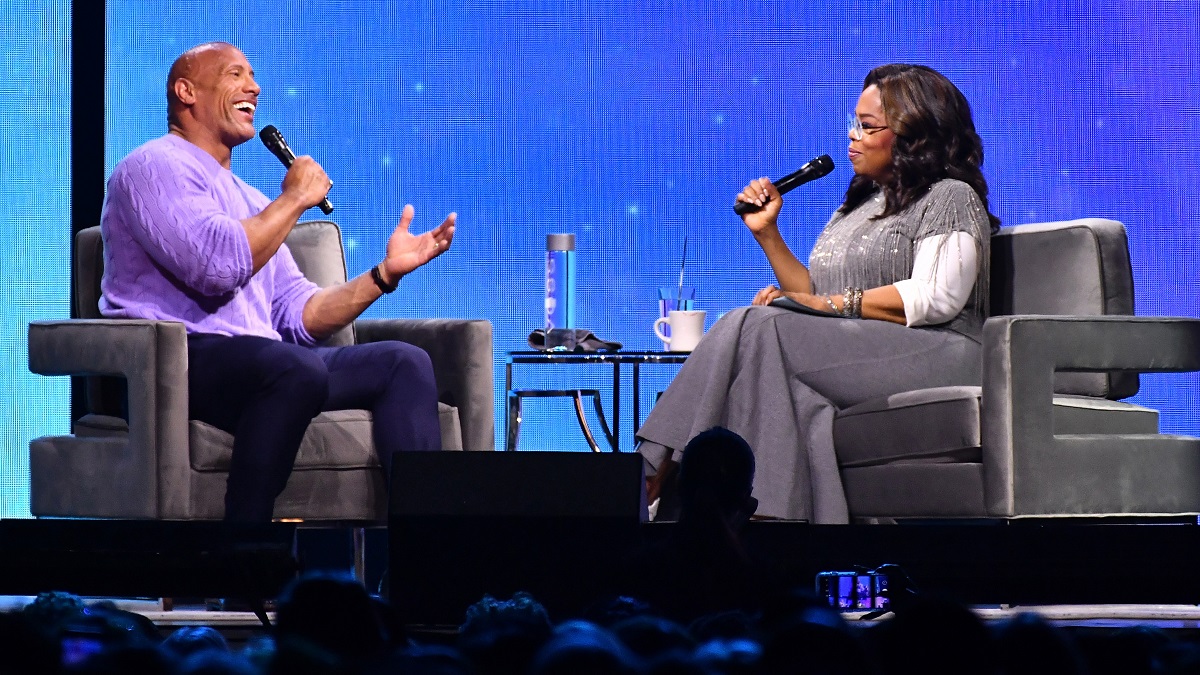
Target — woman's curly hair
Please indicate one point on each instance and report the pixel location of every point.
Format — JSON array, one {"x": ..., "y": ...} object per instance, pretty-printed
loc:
[{"x": 935, "y": 138}]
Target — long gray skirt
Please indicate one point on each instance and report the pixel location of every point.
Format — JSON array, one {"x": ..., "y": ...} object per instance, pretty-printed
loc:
[{"x": 777, "y": 377}]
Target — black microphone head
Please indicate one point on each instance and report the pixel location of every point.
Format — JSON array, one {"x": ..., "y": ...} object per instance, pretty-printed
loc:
[
  {"x": 269, "y": 135},
  {"x": 271, "y": 138},
  {"x": 815, "y": 169},
  {"x": 821, "y": 166}
]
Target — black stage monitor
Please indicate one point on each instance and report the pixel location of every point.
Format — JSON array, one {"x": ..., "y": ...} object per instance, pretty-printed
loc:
[{"x": 466, "y": 524}]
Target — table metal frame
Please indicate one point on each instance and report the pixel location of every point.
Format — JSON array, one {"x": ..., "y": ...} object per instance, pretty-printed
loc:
[{"x": 612, "y": 432}]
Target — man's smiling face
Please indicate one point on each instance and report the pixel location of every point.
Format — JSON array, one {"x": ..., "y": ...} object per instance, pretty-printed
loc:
[{"x": 226, "y": 94}]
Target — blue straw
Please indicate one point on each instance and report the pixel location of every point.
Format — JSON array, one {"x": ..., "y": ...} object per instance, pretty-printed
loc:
[{"x": 682, "y": 265}]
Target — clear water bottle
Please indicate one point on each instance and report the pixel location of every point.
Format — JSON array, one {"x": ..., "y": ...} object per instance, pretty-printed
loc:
[{"x": 560, "y": 291}]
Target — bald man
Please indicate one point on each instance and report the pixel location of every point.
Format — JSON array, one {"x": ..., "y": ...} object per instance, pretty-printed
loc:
[{"x": 187, "y": 240}]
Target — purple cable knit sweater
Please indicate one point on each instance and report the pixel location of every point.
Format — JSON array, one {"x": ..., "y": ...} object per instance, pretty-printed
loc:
[{"x": 174, "y": 248}]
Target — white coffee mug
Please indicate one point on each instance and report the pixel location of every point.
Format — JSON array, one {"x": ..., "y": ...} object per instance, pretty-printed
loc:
[{"x": 687, "y": 327}]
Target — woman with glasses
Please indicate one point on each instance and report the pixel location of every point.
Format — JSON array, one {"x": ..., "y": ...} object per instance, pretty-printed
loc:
[{"x": 901, "y": 270}]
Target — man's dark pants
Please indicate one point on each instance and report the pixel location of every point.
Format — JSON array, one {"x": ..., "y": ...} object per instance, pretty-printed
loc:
[{"x": 265, "y": 392}]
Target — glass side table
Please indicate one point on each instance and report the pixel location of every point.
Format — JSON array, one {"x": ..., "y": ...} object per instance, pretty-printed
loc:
[{"x": 612, "y": 433}]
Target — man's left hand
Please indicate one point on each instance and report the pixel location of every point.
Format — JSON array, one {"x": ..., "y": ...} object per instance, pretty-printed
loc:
[{"x": 407, "y": 251}]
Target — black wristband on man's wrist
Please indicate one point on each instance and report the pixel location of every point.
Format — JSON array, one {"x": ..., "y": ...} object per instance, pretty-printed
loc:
[{"x": 377, "y": 277}]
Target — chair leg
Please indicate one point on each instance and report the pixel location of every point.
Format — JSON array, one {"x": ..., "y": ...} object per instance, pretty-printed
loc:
[
  {"x": 583, "y": 425},
  {"x": 608, "y": 434},
  {"x": 513, "y": 426},
  {"x": 359, "y": 535}
]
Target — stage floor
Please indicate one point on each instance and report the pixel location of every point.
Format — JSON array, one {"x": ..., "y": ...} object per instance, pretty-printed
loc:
[
  {"x": 1104, "y": 574},
  {"x": 1181, "y": 617}
]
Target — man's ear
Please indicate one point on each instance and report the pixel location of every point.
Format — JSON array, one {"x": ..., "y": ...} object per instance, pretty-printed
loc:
[{"x": 184, "y": 90}]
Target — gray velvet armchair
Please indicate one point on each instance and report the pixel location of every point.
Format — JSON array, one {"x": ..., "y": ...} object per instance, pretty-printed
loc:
[
  {"x": 135, "y": 454},
  {"x": 1045, "y": 435}
]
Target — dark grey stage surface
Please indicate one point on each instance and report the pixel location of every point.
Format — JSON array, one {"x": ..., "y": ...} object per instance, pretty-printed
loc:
[
  {"x": 1023, "y": 563},
  {"x": 1070, "y": 571}
]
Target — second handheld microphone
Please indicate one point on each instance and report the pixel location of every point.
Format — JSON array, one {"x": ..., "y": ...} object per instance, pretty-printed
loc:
[
  {"x": 271, "y": 138},
  {"x": 815, "y": 169}
]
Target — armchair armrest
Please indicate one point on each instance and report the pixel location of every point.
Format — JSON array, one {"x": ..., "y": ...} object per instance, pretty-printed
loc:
[
  {"x": 462, "y": 355},
  {"x": 98, "y": 346},
  {"x": 152, "y": 357},
  {"x": 1022, "y": 455}
]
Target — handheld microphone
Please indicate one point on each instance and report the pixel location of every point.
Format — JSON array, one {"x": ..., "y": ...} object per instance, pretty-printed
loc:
[
  {"x": 815, "y": 169},
  {"x": 271, "y": 138}
]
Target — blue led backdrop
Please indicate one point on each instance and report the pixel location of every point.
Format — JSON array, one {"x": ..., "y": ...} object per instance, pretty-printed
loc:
[
  {"x": 633, "y": 125},
  {"x": 35, "y": 225}
]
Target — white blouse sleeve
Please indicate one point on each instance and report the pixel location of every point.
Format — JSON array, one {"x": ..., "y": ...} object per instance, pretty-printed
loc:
[{"x": 940, "y": 284}]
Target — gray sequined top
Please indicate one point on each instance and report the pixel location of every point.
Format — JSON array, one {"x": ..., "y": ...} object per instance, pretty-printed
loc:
[{"x": 856, "y": 251}]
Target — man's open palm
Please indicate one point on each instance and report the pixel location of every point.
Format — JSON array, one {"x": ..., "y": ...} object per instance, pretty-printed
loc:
[{"x": 407, "y": 251}]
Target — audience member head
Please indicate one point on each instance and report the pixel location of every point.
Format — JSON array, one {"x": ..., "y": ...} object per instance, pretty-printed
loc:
[
  {"x": 259, "y": 650},
  {"x": 583, "y": 648},
  {"x": 733, "y": 656},
  {"x": 520, "y": 610},
  {"x": 28, "y": 646},
  {"x": 716, "y": 477},
  {"x": 419, "y": 659},
  {"x": 615, "y": 609},
  {"x": 933, "y": 636},
  {"x": 331, "y": 612},
  {"x": 652, "y": 636},
  {"x": 132, "y": 626},
  {"x": 674, "y": 663},
  {"x": 813, "y": 639},
  {"x": 128, "y": 660},
  {"x": 192, "y": 639},
  {"x": 54, "y": 608},
  {"x": 795, "y": 603},
  {"x": 1029, "y": 645},
  {"x": 86, "y": 631},
  {"x": 217, "y": 662},
  {"x": 922, "y": 132},
  {"x": 502, "y": 636}
]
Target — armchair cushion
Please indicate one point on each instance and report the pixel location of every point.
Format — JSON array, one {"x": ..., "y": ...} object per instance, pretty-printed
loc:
[
  {"x": 338, "y": 439},
  {"x": 942, "y": 424}
]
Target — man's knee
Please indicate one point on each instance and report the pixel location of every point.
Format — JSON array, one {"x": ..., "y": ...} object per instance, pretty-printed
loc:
[
  {"x": 408, "y": 362},
  {"x": 302, "y": 373}
]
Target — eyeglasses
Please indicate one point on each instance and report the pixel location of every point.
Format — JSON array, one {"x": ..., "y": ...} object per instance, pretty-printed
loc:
[{"x": 858, "y": 130}]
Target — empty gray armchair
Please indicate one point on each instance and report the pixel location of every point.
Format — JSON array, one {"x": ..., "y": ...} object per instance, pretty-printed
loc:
[
  {"x": 135, "y": 454},
  {"x": 1045, "y": 435}
]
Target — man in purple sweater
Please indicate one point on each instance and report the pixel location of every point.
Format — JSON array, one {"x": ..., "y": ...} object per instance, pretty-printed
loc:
[{"x": 186, "y": 240}]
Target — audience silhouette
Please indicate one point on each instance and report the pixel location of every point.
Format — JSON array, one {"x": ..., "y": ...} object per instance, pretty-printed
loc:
[
  {"x": 703, "y": 566},
  {"x": 328, "y": 624},
  {"x": 194, "y": 639},
  {"x": 502, "y": 636}
]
